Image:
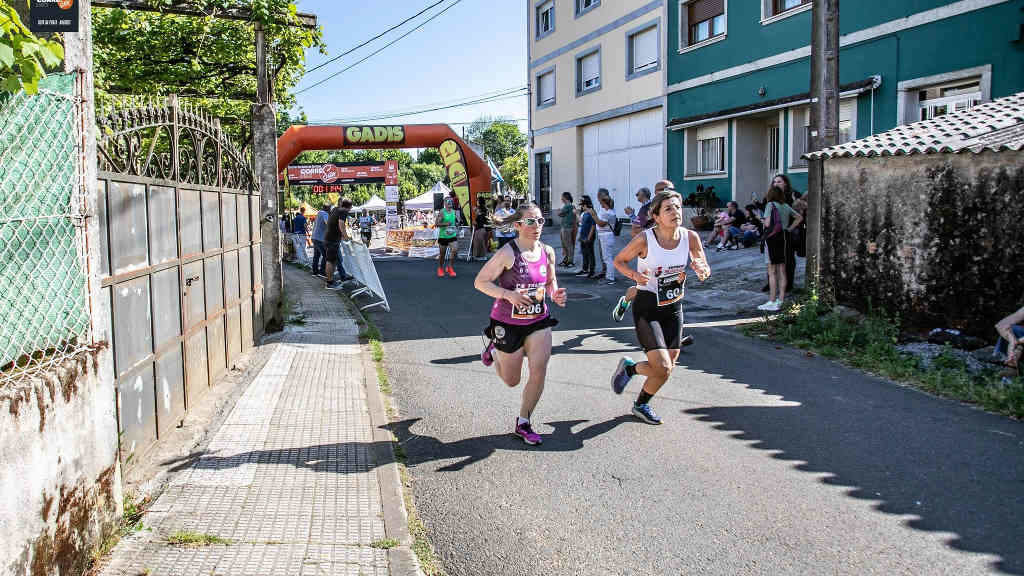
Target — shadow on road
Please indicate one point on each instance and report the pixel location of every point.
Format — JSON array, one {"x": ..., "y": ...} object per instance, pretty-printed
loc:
[
  {"x": 954, "y": 468},
  {"x": 339, "y": 457}
]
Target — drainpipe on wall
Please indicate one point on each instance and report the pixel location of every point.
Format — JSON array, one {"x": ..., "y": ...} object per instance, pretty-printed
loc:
[
  {"x": 876, "y": 81},
  {"x": 529, "y": 109}
]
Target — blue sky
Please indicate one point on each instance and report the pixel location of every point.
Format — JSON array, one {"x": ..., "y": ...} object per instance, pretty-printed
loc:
[{"x": 477, "y": 47}]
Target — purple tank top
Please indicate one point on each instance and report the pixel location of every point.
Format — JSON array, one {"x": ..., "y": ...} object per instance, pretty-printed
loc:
[{"x": 529, "y": 278}]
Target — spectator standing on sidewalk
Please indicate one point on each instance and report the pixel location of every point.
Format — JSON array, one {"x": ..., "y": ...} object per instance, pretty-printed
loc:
[
  {"x": 779, "y": 221},
  {"x": 568, "y": 228},
  {"x": 299, "y": 225},
  {"x": 337, "y": 230},
  {"x": 587, "y": 237},
  {"x": 479, "y": 247},
  {"x": 605, "y": 220},
  {"x": 319, "y": 230},
  {"x": 505, "y": 233}
]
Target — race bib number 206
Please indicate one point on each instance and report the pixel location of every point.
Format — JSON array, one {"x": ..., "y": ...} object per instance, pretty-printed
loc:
[{"x": 535, "y": 308}]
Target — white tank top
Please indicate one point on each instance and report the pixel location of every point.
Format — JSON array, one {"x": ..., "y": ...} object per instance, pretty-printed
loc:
[{"x": 663, "y": 268}]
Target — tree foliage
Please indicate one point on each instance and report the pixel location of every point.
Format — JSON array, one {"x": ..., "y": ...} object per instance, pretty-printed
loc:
[
  {"x": 500, "y": 138},
  {"x": 209, "y": 59},
  {"x": 24, "y": 58},
  {"x": 515, "y": 171}
]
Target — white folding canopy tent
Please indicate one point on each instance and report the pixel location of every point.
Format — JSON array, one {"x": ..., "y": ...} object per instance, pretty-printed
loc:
[
  {"x": 425, "y": 201},
  {"x": 375, "y": 203}
]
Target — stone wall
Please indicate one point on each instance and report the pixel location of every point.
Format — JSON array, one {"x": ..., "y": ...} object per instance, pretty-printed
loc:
[
  {"x": 935, "y": 240},
  {"x": 60, "y": 492}
]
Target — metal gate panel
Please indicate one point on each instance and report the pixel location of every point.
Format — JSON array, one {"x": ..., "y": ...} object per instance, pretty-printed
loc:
[
  {"x": 101, "y": 216},
  {"x": 136, "y": 409},
  {"x": 170, "y": 389},
  {"x": 242, "y": 217},
  {"x": 128, "y": 226},
  {"x": 179, "y": 224},
  {"x": 215, "y": 345},
  {"x": 246, "y": 318},
  {"x": 233, "y": 323},
  {"x": 133, "y": 337},
  {"x": 229, "y": 215},
  {"x": 211, "y": 221},
  {"x": 170, "y": 392},
  {"x": 196, "y": 369},
  {"x": 254, "y": 218},
  {"x": 191, "y": 223},
  {"x": 163, "y": 225}
]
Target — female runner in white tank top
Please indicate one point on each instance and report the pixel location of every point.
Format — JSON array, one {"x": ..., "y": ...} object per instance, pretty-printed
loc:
[{"x": 663, "y": 254}]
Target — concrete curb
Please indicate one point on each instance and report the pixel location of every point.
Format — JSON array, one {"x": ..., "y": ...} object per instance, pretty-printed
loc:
[{"x": 401, "y": 559}]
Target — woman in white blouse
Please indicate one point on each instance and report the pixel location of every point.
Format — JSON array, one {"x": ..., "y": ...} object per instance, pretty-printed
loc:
[{"x": 605, "y": 219}]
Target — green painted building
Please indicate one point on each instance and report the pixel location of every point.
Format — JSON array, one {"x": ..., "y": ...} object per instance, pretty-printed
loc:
[{"x": 738, "y": 78}]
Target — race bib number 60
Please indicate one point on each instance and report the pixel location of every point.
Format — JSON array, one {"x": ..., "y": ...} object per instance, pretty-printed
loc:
[
  {"x": 532, "y": 310},
  {"x": 670, "y": 289}
]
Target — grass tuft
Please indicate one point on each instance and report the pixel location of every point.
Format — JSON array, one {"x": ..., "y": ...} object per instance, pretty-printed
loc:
[
  {"x": 869, "y": 343},
  {"x": 195, "y": 539},
  {"x": 384, "y": 544}
]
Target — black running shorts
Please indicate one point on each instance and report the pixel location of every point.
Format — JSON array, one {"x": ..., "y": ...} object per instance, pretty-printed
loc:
[
  {"x": 657, "y": 327},
  {"x": 331, "y": 251},
  {"x": 446, "y": 241},
  {"x": 510, "y": 337}
]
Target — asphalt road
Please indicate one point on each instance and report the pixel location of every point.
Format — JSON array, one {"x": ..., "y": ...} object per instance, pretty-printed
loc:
[{"x": 769, "y": 461}]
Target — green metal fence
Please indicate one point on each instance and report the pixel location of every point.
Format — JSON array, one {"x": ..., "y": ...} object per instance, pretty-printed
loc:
[{"x": 43, "y": 299}]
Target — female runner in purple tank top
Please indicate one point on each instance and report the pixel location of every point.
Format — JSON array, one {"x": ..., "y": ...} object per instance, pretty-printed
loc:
[{"x": 518, "y": 277}]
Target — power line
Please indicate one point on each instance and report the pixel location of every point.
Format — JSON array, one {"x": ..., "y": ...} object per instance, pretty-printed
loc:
[
  {"x": 353, "y": 49},
  {"x": 387, "y": 114},
  {"x": 379, "y": 50},
  {"x": 369, "y": 118}
]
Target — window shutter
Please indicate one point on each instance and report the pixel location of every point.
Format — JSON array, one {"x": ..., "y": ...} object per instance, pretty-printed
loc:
[
  {"x": 701, "y": 10},
  {"x": 547, "y": 87},
  {"x": 589, "y": 68},
  {"x": 645, "y": 48}
]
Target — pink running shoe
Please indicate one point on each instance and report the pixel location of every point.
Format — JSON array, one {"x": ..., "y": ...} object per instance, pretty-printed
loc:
[
  {"x": 525, "y": 431},
  {"x": 487, "y": 356}
]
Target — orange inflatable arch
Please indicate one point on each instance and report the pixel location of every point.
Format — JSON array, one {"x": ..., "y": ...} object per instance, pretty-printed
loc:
[{"x": 468, "y": 173}]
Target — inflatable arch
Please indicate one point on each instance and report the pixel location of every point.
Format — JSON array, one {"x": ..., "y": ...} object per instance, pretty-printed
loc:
[{"x": 468, "y": 173}]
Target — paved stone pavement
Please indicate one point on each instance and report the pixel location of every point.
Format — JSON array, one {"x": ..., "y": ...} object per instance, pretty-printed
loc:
[{"x": 290, "y": 477}]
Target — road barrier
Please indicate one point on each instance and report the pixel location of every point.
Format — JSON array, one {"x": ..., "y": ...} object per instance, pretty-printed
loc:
[{"x": 357, "y": 262}]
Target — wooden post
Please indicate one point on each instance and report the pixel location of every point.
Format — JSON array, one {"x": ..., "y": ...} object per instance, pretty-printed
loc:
[{"x": 824, "y": 129}]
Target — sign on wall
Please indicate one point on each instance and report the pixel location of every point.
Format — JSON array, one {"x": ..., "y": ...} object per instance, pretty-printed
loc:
[{"x": 53, "y": 16}]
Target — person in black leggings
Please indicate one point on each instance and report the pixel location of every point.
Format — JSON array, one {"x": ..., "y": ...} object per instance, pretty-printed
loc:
[{"x": 663, "y": 253}]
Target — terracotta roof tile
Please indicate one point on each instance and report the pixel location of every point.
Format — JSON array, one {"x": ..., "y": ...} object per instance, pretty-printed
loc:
[{"x": 995, "y": 126}]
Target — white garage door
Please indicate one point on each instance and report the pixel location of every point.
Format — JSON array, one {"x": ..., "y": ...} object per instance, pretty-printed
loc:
[{"x": 623, "y": 155}]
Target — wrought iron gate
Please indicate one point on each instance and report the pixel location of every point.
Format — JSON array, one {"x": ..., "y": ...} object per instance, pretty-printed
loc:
[{"x": 181, "y": 261}]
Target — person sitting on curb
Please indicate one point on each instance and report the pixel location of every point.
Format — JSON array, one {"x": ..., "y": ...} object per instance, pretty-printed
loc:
[{"x": 1011, "y": 341}]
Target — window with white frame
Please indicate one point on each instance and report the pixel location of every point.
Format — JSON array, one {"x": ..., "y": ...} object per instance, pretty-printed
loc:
[
  {"x": 700, "y": 21},
  {"x": 706, "y": 149},
  {"x": 546, "y": 89},
  {"x": 545, "y": 18},
  {"x": 934, "y": 101},
  {"x": 584, "y": 6},
  {"x": 776, "y": 7},
  {"x": 642, "y": 51},
  {"x": 588, "y": 72},
  {"x": 800, "y": 130}
]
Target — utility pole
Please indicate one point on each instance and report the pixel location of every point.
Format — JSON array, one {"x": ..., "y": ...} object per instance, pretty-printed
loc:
[
  {"x": 824, "y": 126},
  {"x": 264, "y": 136}
]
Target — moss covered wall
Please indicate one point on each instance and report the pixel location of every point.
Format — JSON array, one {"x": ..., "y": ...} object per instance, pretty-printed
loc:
[{"x": 937, "y": 240}]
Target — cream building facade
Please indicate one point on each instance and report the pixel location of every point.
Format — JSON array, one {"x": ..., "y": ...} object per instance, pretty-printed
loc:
[{"x": 596, "y": 73}]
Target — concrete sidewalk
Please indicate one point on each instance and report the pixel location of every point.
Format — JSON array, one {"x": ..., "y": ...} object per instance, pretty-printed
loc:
[{"x": 293, "y": 479}]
